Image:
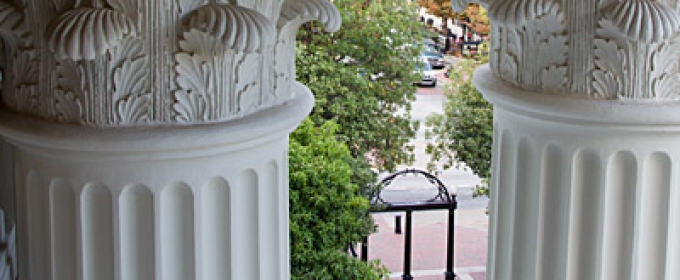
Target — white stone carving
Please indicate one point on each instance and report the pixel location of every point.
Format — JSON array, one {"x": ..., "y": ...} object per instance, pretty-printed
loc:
[
  {"x": 520, "y": 13},
  {"x": 646, "y": 21},
  {"x": 213, "y": 51},
  {"x": 10, "y": 17},
  {"x": 131, "y": 62},
  {"x": 601, "y": 49},
  {"x": 293, "y": 14},
  {"x": 230, "y": 27},
  {"x": 87, "y": 33}
]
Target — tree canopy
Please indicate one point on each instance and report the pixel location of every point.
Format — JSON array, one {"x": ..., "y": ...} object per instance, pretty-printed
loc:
[{"x": 363, "y": 77}]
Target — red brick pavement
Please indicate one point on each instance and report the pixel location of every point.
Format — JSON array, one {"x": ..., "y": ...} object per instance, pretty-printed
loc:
[{"x": 429, "y": 248}]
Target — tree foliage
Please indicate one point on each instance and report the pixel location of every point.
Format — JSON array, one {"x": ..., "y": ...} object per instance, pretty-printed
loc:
[
  {"x": 327, "y": 211},
  {"x": 363, "y": 77},
  {"x": 479, "y": 21},
  {"x": 464, "y": 132}
]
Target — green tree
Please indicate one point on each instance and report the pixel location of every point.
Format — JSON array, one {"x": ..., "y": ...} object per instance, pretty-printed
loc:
[
  {"x": 363, "y": 78},
  {"x": 464, "y": 132},
  {"x": 327, "y": 211}
]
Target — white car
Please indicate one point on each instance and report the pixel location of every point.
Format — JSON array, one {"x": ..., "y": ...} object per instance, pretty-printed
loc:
[
  {"x": 433, "y": 56},
  {"x": 429, "y": 75}
]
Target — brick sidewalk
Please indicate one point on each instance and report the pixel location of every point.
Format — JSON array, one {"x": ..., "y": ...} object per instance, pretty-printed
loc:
[{"x": 429, "y": 245}]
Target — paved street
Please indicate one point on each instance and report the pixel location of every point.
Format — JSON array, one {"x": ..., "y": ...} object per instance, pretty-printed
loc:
[{"x": 429, "y": 227}]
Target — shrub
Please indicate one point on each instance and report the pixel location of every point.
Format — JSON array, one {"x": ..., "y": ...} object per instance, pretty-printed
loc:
[{"x": 327, "y": 210}]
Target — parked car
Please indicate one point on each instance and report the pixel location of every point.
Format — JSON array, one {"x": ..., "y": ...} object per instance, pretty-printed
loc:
[
  {"x": 431, "y": 44},
  {"x": 429, "y": 75},
  {"x": 435, "y": 58}
]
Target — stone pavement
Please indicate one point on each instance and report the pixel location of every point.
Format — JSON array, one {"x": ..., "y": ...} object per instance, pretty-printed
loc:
[{"x": 429, "y": 244}]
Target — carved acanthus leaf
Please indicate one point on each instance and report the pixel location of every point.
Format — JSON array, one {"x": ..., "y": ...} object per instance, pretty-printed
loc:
[
  {"x": 610, "y": 62},
  {"x": 26, "y": 97},
  {"x": 606, "y": 85},
  {"x": 246, "y": 83},
  {"x": 193, "y": 74},
  {"x": 24, "y": 75},
  {"x": 10, "y": 18},
  {"x": 553, "y": 53},
  {"x": 647, "y": 21},
  {"x": 134, "y": 109},
  {"x": 85, "y": 33},
  {"x": 665, "y": 78},
  {"x": 552, "y": 50},
  {"x": 201, "y": 43},
  {"x": 194, "y": 100},
  {"x": 129, "y": 78},
  {"x": 133, "y": 101},
  {"x": 517, "y": 12},
  {"x": 190, "y": 107},
  {"x": 301, "y": 11},
  {"x": 68, "y": 107},
  {"x": 68, "y": 79},
  {"x": 237, "y": 28},
  {"x": 509, "y": 64}
]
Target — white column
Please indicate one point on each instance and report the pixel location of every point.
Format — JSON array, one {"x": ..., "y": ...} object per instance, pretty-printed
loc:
[
  {"x": 203, "y": 202},
  {"x": 149, "y": 138},
  {"x": 582, "y": 189},
  {"x": 586, "y": 174}
]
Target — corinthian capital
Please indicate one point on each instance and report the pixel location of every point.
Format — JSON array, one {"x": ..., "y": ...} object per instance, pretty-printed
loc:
[
  {"x": 140, "y": 62},
  {"x": 602, "y": 49}
]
